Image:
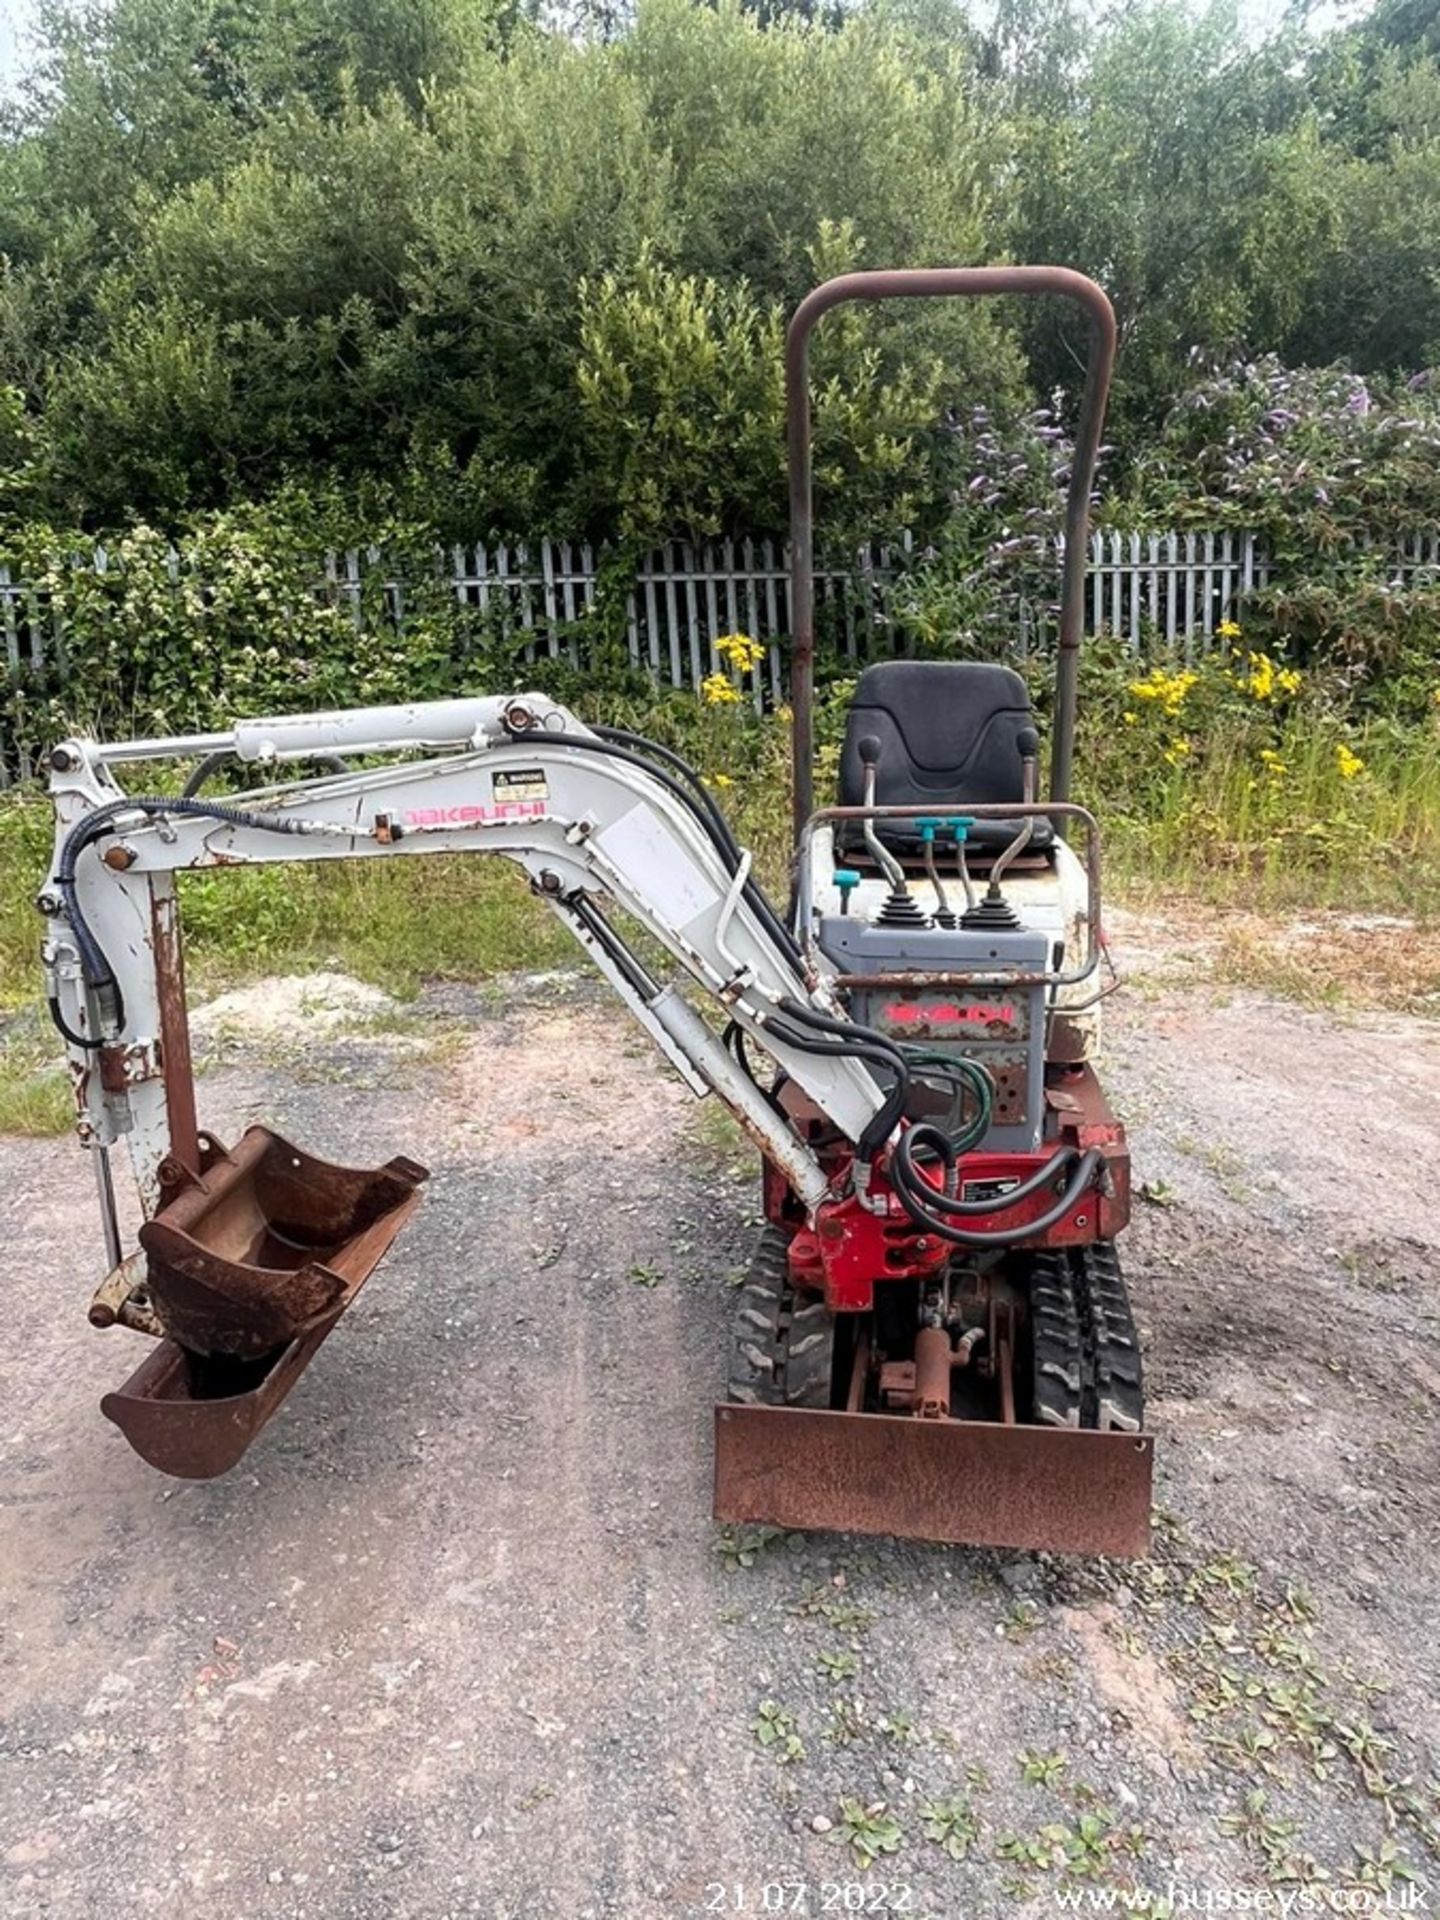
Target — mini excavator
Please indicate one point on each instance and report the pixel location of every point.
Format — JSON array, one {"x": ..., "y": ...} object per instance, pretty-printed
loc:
[{"x": 933, "y": 1339}]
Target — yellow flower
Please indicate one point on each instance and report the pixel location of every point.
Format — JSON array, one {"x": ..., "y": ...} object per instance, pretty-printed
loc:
[
  {"x": 1168, "y": 689},
  {"x": 1347, "y": 762},
  {"x": 718, "y": 690},
  {"x": 1132, "y": 719},
  {"x": 740, "y": 650},
  {"x": 1228, "y": 630},
  {"x": 1261, "y": 681},
  {"x": 721, "y": 780},
  {"x": 1176, "y": 751}
]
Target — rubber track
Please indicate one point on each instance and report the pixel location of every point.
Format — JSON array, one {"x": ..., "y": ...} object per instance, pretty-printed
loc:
[
  {"x": 1055, "y": 1332},
  {"x": 783, "y": 1342},
  {"x": 1111, "y": 1341},
  {"x": 1086, "y": 1369}
]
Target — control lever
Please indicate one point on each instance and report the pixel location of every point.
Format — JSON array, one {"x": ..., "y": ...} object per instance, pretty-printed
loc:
[
  {"x": 900, "y": 909},
  {"x": 882, "y": 856},
  {"x": 995, "y": 911},
  {"x": 929, "y": 831}
]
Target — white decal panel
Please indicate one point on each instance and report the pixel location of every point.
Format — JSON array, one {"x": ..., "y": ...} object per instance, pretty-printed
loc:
[{"x": 656, "y": 867}]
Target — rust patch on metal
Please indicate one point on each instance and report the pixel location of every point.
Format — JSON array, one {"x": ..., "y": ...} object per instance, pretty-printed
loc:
[
  {"x": 174, "y": 1027},
  {"x": 194, "y": 1414},
  {"x": 965, "y": 1482},
  {"x": 121, "y": 1300},
  {"x": 256, "y": 1251},
  {"x": 932, "y": 1373}
]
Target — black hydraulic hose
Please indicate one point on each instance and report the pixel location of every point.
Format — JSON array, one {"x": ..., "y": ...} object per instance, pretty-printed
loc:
[
  {"x": 700, "y": 804},
  {"x": 95, "y": 968},
  {"x": 67, "y": 1032},
  {"x": 605, "y": 936},
  {"x": 843, "y": 1029},
  {"x": 847, "y": 1037},
  {"x": 1058, "y": 1163},
  {"x": 213, "y": 762},
  {"x": 1081, "y": 1180},
  {"x": 882, "y": 1123},
  {"x": 734, "y": 1041},
  {"x": 623, "y": 737}
]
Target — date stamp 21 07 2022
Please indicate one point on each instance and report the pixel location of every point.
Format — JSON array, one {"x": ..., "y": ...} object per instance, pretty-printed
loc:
[{"x": 786, "y": 1895}]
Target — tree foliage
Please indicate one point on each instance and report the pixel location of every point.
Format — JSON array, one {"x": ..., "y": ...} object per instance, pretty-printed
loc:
[{"x": 434, "y": 262}]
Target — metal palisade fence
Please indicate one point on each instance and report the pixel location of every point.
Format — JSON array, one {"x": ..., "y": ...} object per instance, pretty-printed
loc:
[{"x": 1168, "y": 591}]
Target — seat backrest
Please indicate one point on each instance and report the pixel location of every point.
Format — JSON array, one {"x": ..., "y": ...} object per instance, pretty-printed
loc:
[{"x": 947, "y": 731}]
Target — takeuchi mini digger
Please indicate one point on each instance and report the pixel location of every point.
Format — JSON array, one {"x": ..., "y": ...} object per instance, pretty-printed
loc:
[{"x": 934, "y": 1339}]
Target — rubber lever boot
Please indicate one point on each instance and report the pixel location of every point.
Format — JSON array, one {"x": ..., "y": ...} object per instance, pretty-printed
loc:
[{"x": 900, "y": 909}]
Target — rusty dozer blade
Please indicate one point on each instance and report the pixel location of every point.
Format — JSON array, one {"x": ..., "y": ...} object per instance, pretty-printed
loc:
[
  {"x": 246, "y": 1271},
  {"x": 966, "y": 1482}
]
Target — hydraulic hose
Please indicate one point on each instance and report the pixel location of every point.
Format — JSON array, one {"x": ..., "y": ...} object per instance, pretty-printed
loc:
[
  {"x": 864, "y": 1042},
  {"x": 655, "y": 750},
  {"x": 704, "y": 810},
  {"x": 213, "y": 762},
  {"x": 917, "y": 1195},
  {"x": 95, "y": 968},
  {"x": 882, "y": 1123},
  {"x": 1045, "y": 1176},
  {"x": 929, "y": 1062}
]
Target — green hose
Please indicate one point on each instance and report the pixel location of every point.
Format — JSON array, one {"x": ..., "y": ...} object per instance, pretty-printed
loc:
[{"x": 975, "y": 1080}]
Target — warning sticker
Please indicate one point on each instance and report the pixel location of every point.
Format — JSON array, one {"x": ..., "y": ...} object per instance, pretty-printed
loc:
[
  {"x": 993, "y": 1189},
  {"x": 522, "y": 783}
]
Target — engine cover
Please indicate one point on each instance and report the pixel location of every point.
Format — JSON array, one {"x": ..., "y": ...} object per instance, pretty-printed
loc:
[{"x": 1000, "y": 1027}]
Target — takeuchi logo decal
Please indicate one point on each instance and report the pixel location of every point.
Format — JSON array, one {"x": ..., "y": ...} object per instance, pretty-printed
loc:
[
  {"x": 473, "y": 816},
  {"x": 906, "y": 1013}
]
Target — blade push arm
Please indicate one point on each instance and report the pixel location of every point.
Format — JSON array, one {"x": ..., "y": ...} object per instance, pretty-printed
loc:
[{"x": 586, "y": 819}]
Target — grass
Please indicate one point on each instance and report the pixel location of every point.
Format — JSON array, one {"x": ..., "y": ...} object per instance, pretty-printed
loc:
[
  {"x": 35, "y": 1103},
  {"x": 1294, "y": 834},
  {"x": 1247, "y": 840}
]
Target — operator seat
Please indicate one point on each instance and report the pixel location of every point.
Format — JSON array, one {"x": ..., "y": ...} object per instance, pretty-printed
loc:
[{"x": 948, "y": 732}]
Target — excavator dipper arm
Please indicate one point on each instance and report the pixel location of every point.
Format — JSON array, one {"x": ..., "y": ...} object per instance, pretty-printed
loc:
[{"x": 589, "y": 822}]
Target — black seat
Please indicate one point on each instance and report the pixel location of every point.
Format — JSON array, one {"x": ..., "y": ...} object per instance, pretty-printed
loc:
[{"x": 948, "y": 732}]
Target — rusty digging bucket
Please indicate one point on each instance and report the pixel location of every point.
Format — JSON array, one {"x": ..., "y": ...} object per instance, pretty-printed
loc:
[{"x": 244, "y": 1273}]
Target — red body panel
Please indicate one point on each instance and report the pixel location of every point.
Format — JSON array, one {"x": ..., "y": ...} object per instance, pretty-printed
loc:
[{"x": 850, "y": 1249}]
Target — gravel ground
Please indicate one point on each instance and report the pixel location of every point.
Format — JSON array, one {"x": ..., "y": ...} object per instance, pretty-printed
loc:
[{"x": 459, "y": 1638}]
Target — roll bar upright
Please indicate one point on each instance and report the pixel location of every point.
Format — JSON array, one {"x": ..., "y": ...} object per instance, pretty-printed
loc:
[{"x": 931, "y": 283}]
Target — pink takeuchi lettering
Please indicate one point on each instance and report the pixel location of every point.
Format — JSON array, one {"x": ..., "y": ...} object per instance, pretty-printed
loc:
[
  {"x": 946, "y": 1013},
  {"x": 473, "y": 816}
]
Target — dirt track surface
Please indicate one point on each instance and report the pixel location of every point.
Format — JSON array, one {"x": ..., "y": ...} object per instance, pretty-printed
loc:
[{"x": 459, "y": 1638}]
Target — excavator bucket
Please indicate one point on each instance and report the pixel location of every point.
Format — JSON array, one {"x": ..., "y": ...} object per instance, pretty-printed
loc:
[
  {"x": 246, "y": 1271},
  {"x": 970, "y": 1482}
]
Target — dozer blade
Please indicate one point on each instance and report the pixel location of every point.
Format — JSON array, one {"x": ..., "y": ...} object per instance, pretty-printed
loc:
[
  {"x": 967, "y": 1482},
  {"x": 247, "y": 1271}
]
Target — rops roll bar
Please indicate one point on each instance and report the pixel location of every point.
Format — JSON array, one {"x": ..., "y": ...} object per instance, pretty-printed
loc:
[{"x": 929, "y": 283}]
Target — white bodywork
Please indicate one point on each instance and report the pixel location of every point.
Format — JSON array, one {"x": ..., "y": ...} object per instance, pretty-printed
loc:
[
  {"x": 580, "y": 823},
  {"x": 518, "y": 776}
]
